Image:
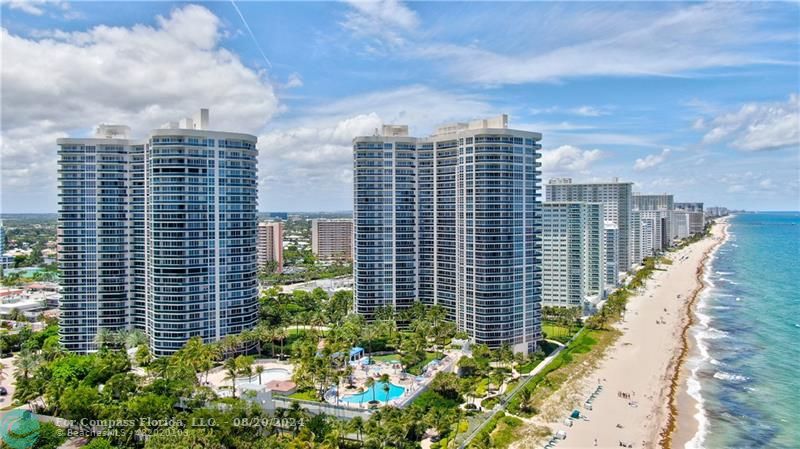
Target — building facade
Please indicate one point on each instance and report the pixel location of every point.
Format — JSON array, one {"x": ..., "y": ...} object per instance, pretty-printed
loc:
[
  {"x": 663, "y": 201},
  {"x": 689, "y": 207},
  {"x": 611, "y": 239},
  {"x": 697, "y": 222},
  {"x": 660, "y": 219},
  {"x": 270, "y": 245},
  {"x": 332, "y": 239},
  {"x": 453, "y": 220},
  {"x": 636, "y": 237},
  {"x": 157, "y": 234},
  {"x": 648, "y": 236},
  {"x": 573, "y": 254},
  {"x": 678, "y": 225},
  {"x": 617, "y": 199}
]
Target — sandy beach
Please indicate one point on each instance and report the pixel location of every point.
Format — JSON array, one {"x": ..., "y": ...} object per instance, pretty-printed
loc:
[{"x": 638, "y": 371}]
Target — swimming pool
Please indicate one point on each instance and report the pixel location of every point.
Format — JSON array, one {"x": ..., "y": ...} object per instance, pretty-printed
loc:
[{"x": 381, "y": 394}]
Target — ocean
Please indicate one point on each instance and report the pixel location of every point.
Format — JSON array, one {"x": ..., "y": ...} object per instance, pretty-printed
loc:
[{"x": 746, "y": 369}]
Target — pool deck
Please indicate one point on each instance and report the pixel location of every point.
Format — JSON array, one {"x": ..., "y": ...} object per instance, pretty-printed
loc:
[
  {"x": 217, "y": 376},
  {"x": 413, "y": 385}
]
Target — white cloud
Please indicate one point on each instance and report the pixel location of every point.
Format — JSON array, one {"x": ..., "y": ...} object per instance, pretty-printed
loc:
[
  {"x": 384, "y": 20},
  {"x": 766, "y": 184},
  {"x": 589, "y": 111},
  {"x": 567, "y": 158},
  {"x": 584, "y": 111},
  {"x": 65, "y": 83},
  {"x": 58, "y": 8},
  {"x": 294, "y": 81},
  {"x": 757, "y": 126},
  {"x": 309, "y": 160},
  {"x": 665, "y": 43},
  {"x": 651, "y": 160},
  {"x": 33, "y": 7}
]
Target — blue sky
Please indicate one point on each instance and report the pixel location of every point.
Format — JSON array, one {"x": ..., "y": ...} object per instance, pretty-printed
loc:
[{"x": 696, "y": 99}]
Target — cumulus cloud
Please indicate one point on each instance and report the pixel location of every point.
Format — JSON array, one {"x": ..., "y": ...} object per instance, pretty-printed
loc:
[
  {"x": 309, "y": 160},
  {"x": 651, "y": 160},
  {"x": 567, "y": 158},
  {"x": 64, "y": 83},
  {"x": 756, "y": 126}
]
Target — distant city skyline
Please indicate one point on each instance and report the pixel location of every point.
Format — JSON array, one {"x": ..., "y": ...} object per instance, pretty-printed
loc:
[{"x": 698, "y": 100}]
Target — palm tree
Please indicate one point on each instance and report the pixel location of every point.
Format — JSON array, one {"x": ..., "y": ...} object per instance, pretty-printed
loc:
[
  {"x": 105, "y": 338},
  {"x": 369, "y": 333},
  {"x": 525, "y": 396},
  {"x": 280, "y": 333},
  {"x": 335, "y": 433},
  {"x": 259, "y": 371},
  {"x": 231, "y": 372},
  {"x": 385, "y": 381},
  {"x": 369, "y": 383},
  {"x": 135, "y": 338},
  {"x": 357, "y": 426},
  {"x": 229, "y": 344},
  {"x": 246, "y": 366}
]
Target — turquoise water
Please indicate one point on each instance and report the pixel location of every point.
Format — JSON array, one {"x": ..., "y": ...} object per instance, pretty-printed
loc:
[
  {"x": 748, "y": 362},
  {"x": 381, "y": 394}
]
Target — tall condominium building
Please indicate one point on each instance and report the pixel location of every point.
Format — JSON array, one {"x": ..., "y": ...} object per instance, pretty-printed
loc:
[
  {"x": 270, "y": 244},
  {"x": 157, "y": 234},
  {"x": 332, "y": 239},
  {"x": 716, "y": 211},
  {"x": 617, "y": 199},
  {"x": 697, "y": 222},
  {"x": 688, "y": 222},
  {"x": 660, "y": 219},
  {"x": 452, "y": 219},
  {"x": 647, "y": 232},
  {"x": 5, "y": 261},
  {"x": 611, "y": 240},
  {"x": 663, "y": 201},
  {"x": 678, "y": 225},
  {"x": 636, "y": 237},
  {"x": 573, "y": 254},
  {"x": 689, "y": 207}
]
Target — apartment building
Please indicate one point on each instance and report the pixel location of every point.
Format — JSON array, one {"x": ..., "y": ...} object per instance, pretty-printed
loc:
[
  {"x": 157, "y": 234},
  {"x": 452, "y": 219},
  {"x": 332, "y": 239},
  {"x": 617, "y": 199},
  {"x": 573, "y": 254},
  {"x": 270, "y": 245}
]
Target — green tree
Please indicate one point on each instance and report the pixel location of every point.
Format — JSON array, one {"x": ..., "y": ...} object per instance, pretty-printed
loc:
[{"x": 79, "y": 403}]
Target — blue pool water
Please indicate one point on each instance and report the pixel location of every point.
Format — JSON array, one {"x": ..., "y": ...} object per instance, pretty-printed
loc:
[{"x": 380, "y": 394}]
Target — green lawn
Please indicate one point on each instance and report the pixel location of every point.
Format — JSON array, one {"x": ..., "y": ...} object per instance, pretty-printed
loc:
[
  {"x": 557, "y": 332},
  {"x": 504, "y": 433},
  {"x": 386, "y": 358},
  {"x": 417, "y": 369},
  {"x": 305, "y": 395}
]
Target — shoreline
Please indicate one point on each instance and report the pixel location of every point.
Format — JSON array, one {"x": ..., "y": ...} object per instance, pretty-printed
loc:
[
  {"x": 686, "y": 422},
  {"x": 637, "y": 371}
]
